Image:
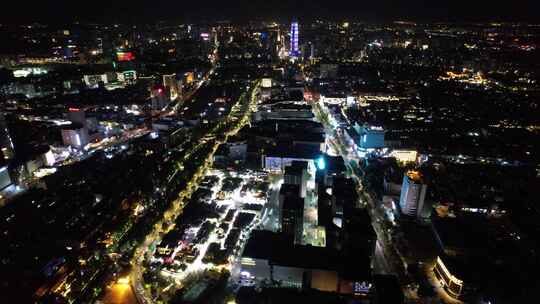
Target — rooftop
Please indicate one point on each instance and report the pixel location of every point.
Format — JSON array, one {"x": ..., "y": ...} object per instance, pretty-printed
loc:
[
  {"x": 296, "y": 168},
  {"x": 280, "y": 250}
]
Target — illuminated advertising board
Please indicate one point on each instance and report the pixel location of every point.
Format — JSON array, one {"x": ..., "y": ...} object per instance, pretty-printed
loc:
[
  {"x": 266, "y": 82},
  {"x": 205, "y": 36},
  {"x": 125, "y": 56}
]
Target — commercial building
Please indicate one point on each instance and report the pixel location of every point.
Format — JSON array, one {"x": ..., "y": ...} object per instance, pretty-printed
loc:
[
  {"x": 237, "y": 150},
  {"x": 266, "y": 83},
  {"x": 297, "y": 174},
  {"x": 29, "y": 162},
  {"x": 128, "y": 77},
  {"x": 93, "y": 81},
  {"x": 413, "y": 194},
  {"x": 328, "y": 70},
  {"x": 5, "y": 179},
  {"x": 284, "y": 142},
  {"x": 75, "y": 136},
  {"x": 284, "y": 110},
  {"x": 6, "y": 144},
  {"x": 333, "y": 99},
  {"x": 405, "y": 156},
  {"x": 159, "y": 98},
  {"x": 279, "y": 159},
  {"x": 475, "y": 251},
  {"x": 291, "y": 207},
  {"x": 451, "y": 284},
  {"x": 76, "y": 115},
  {"x": 29, "y": 90},
  {"x": 273, "y": 257},
  {"x": 172, "y": 85},
  {"x": 371, "y": 137}
]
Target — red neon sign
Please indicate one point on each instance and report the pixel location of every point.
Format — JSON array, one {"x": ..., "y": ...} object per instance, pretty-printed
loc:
[{"x": 125, "y": 56}]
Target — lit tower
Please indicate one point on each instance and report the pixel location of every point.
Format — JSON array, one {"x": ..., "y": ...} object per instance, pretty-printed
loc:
[{"x": 294, "y": 52}]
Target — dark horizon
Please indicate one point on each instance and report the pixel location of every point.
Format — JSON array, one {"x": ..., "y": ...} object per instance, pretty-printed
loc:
[{"x": 64, "y": 11}]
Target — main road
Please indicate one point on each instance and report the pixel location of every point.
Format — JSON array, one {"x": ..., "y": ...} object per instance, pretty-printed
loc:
[
  {"x": 387, "y": 257},
  {"x": 230, "y": 125}
]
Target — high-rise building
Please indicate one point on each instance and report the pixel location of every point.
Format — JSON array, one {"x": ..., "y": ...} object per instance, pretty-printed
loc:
[
  {"x": 297, "y": 174},
  {"x": 413, "y": 194},
  {"x": 291, "y": 210},
  {"x": 172, "y": 85},
  {"x": 76, "y": 115},
  {"x": 295, "y": 50},
  {"x": 75, "y": 135},
  {"x": 159, "y": 97},
  {"x": 6, "y": 144},
  {"x": 5, "y": 179}
]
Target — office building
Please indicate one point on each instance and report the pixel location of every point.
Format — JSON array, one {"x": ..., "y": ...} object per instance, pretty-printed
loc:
[
  {"x": 297, "y": 174},
  {"x": 291, "y": 209},
  {"x": 413, "y": 194}
]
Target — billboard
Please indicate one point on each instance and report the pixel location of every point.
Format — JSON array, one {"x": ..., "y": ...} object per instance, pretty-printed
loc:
[
  {"x": 266, "y": 82},
  {"x": 125, "y": 56},
  {"x": 205, "y": 36}
]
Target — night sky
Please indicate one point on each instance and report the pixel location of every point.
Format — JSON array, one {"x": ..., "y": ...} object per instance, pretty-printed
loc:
[{"x": 203, "y": 10}]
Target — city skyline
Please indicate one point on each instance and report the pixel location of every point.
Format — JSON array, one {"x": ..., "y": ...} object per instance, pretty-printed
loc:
[
  {"x": 243, "y": 10},
  {"x": 169, "y": 158}
]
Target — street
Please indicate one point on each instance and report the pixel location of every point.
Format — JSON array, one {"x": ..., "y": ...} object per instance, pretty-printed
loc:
[
  {"x": 228, "y": 126},
  {"x": 388, "y": 258}
]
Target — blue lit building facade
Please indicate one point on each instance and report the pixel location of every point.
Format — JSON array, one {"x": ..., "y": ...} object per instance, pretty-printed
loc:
[
  {"x": 413, "y": 195},
  {"x": 294, "y": 52}
]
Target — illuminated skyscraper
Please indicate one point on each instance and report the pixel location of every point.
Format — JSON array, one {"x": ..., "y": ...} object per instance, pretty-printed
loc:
[
  {"x": 75, "y": 135},
  {"x": 171, "y": 85},
  {"x": 294, "y": 52},
  {"x": 413, "y": 194}
]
